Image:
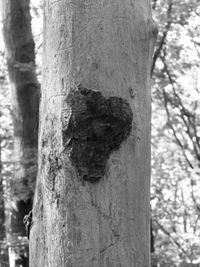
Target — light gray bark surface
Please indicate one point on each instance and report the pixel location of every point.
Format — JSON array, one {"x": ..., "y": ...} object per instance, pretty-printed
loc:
[{"x": 104, "y": 46}]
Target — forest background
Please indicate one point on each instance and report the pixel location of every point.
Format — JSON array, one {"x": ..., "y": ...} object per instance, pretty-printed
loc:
[{"x": 175, "y": 198}]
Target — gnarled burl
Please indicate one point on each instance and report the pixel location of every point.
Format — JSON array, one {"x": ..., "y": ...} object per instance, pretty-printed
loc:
[{"x": 93, "y": 127}]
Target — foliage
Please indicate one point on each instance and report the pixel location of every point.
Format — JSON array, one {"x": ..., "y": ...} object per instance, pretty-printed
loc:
[{"x": 176, "y": 133}]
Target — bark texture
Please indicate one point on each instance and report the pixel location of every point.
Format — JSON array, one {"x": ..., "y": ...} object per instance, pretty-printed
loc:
[
  {"x": 25, "y": 93},
  {"x": 91, "y": 206}
]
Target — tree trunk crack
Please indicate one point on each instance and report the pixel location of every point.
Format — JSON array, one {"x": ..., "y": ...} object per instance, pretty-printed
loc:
[{"x": 109, "y": 246}]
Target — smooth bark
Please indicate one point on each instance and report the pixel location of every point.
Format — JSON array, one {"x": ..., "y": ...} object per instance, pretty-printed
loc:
[{"x": 91, "y": 206}]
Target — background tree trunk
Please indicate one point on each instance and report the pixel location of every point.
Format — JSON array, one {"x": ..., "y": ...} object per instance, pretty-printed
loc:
[
  {"x": 3, "y": 249},
  {"x": 91, "y": 206},
  {"x": 25, "y": 93}
]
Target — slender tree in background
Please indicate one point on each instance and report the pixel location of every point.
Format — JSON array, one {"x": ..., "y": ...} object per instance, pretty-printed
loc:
[
  {"x": 25, "y": 94},
  {"x": 91, "y": 205}
]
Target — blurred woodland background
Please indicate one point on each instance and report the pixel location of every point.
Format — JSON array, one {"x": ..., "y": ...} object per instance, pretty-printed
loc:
[{"x": 175, "y": 198}]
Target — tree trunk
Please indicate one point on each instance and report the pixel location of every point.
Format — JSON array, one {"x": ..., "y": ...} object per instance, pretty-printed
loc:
[
  {"x": 25, "y": 93},
  {"x": 91, "y": 206},
  {"x": 3, "y": 248}
]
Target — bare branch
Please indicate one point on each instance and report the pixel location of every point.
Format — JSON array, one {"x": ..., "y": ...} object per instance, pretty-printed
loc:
[
  {"x": 161, "y": 227},
  {"x": 173, "y": 130},
  {"x": 164, "y": 36}
]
